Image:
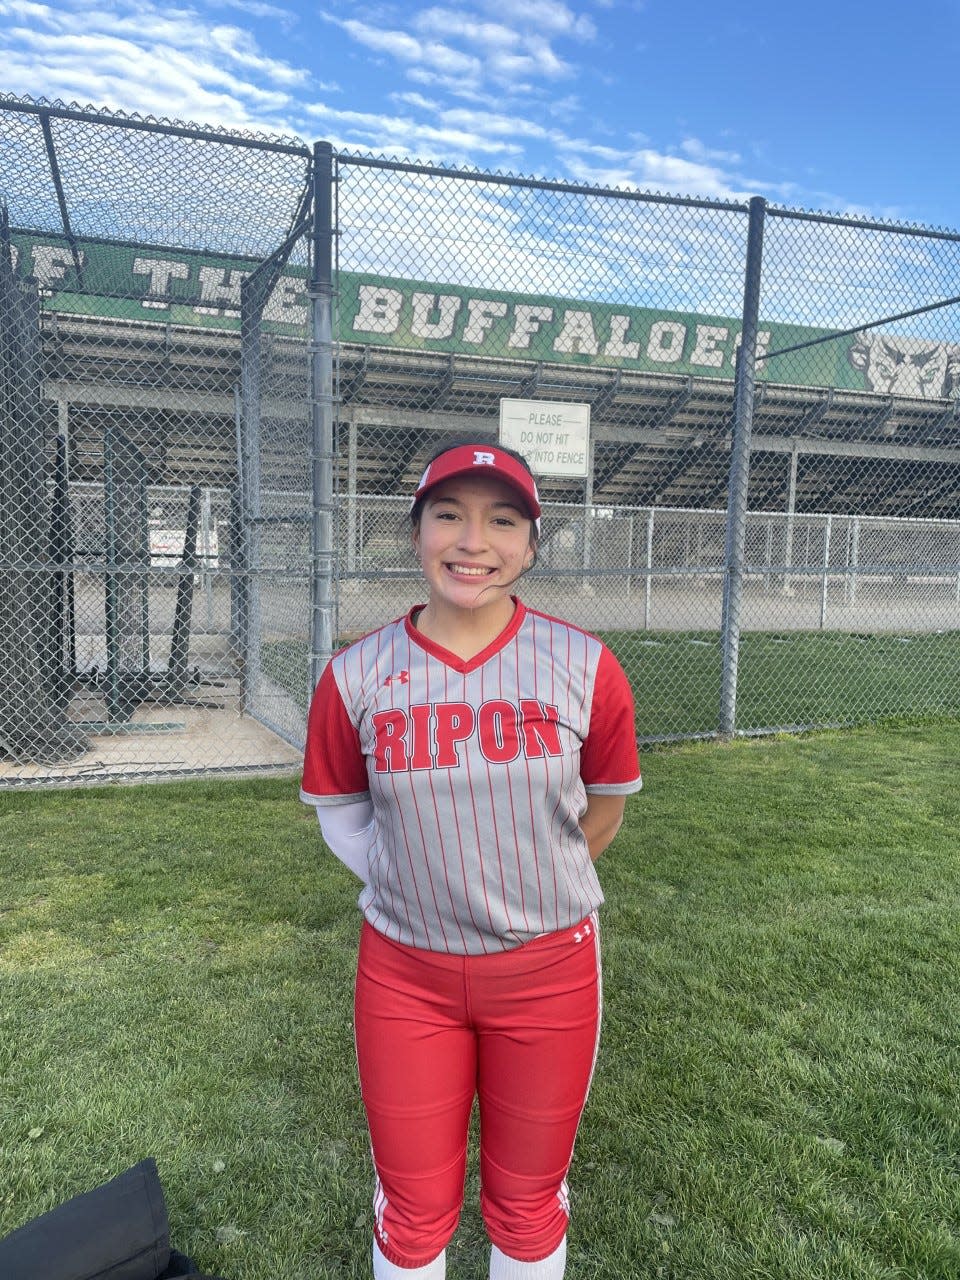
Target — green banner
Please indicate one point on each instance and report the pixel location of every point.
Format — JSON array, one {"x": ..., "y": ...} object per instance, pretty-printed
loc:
[
  {"x": 124, "y": 282},
  {"x": 177, "y": 287},
  {"x": 429, "y": 317}
]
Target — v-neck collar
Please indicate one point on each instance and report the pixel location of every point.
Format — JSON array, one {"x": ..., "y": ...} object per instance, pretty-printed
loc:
[{"x": 453, "y": 660}]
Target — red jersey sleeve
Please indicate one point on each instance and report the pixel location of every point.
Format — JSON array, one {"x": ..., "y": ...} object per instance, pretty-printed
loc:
[
  {"x": 608, "y": 758},
  {"x": 334, "y": 770}
]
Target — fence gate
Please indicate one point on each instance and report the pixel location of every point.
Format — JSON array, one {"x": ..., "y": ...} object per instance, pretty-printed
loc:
[
  {"x": 155, "y": 551},
  {"x": 33, "y": 690}
]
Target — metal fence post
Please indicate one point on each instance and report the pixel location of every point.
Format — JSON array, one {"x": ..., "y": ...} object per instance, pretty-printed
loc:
[
  {"x": 239, "y": 553},
  {"x": 250, "y": 426},
  {"x": 111, "y": 595},
  {"x": 322, "y": 596},
  {"x": 853, "y": 560},
  {"x": 791, "y": 512},
  {"x": 206, "y": 545},
  {"x": 586, "y": 549},
  {"x": 743, "y": 395},
  {"x": 825, "y": 584},
  {"x": 648, "y": 576},
  {"x": 351, "y": 535}
]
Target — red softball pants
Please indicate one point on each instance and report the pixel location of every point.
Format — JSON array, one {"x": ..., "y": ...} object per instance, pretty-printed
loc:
[{"x": 517, "y": 1030}]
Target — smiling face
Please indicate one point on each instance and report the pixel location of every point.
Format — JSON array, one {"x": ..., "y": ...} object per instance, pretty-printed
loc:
[{"x": 473, "y": 540}]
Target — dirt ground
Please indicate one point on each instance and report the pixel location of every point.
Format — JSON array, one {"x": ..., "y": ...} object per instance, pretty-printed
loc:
[{"x": 161, "y": 742}]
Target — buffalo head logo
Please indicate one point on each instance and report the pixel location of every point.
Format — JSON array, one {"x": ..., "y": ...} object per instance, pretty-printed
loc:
[{"x": 914, "y": 367}]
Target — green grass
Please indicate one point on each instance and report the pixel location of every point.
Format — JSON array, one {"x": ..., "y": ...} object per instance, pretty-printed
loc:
[
  {"x": 786, "y": 680},
  {"x": 777, "y": 1091}
]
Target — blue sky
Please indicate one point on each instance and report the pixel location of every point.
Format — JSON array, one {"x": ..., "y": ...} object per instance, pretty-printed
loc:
[{"x": 847, "y": 107}]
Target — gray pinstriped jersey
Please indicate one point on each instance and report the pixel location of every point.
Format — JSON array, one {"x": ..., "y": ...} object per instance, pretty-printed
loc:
[{"x": 474, "y": 771}]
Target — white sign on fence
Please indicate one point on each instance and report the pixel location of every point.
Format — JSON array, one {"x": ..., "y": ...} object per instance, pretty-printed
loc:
[{"x": 553, "y": 437}]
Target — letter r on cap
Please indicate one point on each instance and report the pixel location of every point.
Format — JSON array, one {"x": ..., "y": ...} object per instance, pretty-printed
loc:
[{"x": 483, "y": 459}]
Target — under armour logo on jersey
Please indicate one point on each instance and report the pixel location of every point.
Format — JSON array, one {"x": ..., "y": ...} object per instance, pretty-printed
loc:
[
  {"x": 401, "y": 677},
  {"x": 585, "y": 932}
]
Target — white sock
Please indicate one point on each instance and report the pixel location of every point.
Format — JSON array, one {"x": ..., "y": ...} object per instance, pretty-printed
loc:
[
  {"x": 384, "y": 1269},
  {"x": 551, "y": 1268}
]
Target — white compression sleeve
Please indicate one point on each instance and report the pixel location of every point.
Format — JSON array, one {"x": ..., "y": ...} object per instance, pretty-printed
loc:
[
  {"x": 551, "y": 1268},
  {"x": 385, "y": 1270},
  {"x": 348, "y": 830}
]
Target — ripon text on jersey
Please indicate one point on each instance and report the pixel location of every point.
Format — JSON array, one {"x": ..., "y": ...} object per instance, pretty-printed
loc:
[{"x": 428, "y": 735}]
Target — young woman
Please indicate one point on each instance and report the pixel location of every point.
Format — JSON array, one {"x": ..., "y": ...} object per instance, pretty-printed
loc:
[{"x": 469, "y": 762}]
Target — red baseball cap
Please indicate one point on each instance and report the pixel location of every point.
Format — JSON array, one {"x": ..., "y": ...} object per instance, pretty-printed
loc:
[{"x": 482, "y": 459}]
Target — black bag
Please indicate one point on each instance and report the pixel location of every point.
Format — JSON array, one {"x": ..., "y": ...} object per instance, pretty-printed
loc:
[
  {"x": 116, "y": 1232},
  {"x": 183, "y": 1268}
]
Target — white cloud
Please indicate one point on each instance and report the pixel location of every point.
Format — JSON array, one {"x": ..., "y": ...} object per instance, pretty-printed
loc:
[
  {"x": 696, "y": 150},
  {"x": 240, "y": 47},
  {"x": 609, "y": 155},
  {"x": 568, "y": 106},
  {"x": 417, "y": 100},
  {"x": 407, "y": 48},
  {"x": 672, "y": 173},
  {"x": 471, "y": 91},
  {"x": 255, "y": 9},
  {"x": 538, "y": 60},
  {"x": 403, "y": 136},
  {"x": 144, "y": 58},
  {"x": 453, "y": 22},
  {"x": 545, "y": 15},
  {"x": 460, "y": 52},
  {"x": 397, "y": 43},
  {"x": 28, "y": 11},
  {"x": 646, "y": 169}
]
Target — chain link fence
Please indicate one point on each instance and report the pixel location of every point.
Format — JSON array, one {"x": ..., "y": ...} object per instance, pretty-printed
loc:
[
  {"x": 154, "y": 485},
  {"x": 822, "y": 588},
  {"x": 225, "y": 359}
]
